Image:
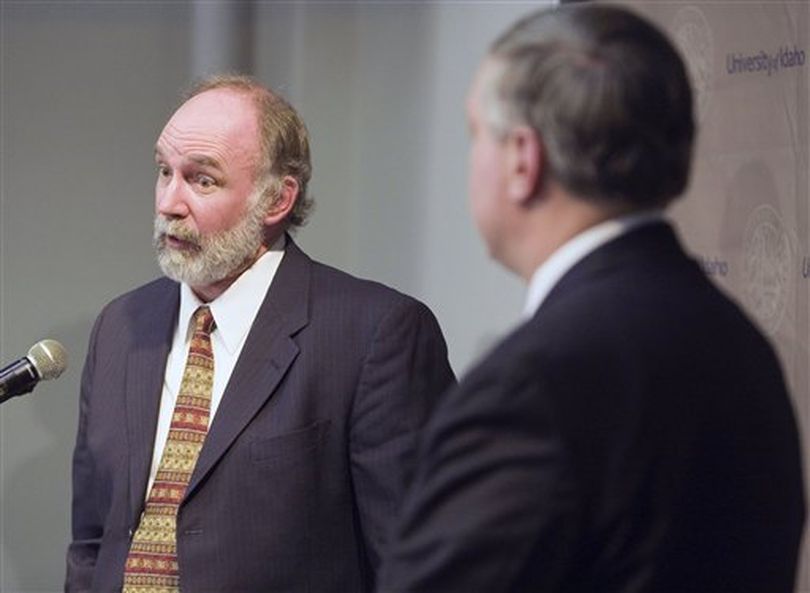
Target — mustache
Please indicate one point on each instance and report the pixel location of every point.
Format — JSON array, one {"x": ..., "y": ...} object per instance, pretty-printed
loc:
[{"x": 175, "y": 228}]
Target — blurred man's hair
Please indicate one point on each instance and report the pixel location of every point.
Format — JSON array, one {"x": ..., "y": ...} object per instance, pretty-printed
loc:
[{"x": 608, "y": 95}]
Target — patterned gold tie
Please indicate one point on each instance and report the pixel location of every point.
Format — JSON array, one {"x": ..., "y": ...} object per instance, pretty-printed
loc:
[{"x": 152, "y": 562}]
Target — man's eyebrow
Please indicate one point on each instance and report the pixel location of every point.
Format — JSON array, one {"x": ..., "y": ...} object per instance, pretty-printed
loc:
[
  {"x": 205, "y": 161},
  {"x": 199, "y": 159}
]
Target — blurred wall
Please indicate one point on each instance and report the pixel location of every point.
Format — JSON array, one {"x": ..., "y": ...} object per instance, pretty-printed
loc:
[
  {"x": 381, "y": 87},
  {"x": 85, "y": 88}
]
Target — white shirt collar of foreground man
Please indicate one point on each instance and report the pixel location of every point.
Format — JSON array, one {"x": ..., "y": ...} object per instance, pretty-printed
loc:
[{"x": 563, "y": 259}]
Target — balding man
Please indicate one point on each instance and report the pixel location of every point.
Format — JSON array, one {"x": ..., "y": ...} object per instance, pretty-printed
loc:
[{"x": 247, "y": 424}]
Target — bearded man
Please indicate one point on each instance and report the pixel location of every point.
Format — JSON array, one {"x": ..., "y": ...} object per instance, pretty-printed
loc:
[{"x": 248, "y": 423}]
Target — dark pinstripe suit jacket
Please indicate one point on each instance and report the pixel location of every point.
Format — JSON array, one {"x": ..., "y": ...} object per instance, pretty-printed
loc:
[{"x": 309, "y": 452}]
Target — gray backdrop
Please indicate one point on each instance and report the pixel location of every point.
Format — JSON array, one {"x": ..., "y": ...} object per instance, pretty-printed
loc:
[{"x": 85, "y": 88}]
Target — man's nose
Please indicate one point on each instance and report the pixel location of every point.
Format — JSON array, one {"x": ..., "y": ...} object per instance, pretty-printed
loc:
[{"x": 172, "y": 198}]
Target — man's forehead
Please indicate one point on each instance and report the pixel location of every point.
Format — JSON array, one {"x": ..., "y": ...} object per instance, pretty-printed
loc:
[
  {"x": 487, "y": 72},
  {"x": 217, "y": 110},
  {"x": 473, "y": 98},
  {"x": 214, "y": 119}
]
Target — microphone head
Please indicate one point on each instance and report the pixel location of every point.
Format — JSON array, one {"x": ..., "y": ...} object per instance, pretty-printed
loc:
[{"x": 49, "y": 358}]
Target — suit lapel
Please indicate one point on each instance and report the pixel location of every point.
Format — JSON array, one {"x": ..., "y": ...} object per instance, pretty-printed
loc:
[
  {"x": 146, "y": 366},
  {"x": 268, "y": 352}
]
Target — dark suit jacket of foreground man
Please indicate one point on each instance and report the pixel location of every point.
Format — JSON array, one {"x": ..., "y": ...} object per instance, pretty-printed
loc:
[
  {"x": 634, "y": 435},
  {"x": 302, "y": 468}
]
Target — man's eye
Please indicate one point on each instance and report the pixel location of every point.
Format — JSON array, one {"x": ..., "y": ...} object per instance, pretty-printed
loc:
[
  {"x": 163, "y": 171},
  {"x": 205, "y": 181}
]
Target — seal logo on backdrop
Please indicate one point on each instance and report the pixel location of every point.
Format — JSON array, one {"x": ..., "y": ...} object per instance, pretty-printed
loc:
[
  {"x": 767, "y": 265},
  {"x": 693, "y": 36}
]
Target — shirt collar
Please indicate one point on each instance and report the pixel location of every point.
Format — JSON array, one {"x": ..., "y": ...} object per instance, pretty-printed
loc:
[
  {"x": 236, "y": 308},
  {"x": 565, "y": 257}
]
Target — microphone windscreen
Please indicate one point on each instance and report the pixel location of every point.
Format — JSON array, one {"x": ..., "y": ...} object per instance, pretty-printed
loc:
[{"x": 49, "y": 358}]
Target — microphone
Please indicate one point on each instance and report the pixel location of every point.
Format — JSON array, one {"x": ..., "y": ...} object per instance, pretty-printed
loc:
[{"x": 46, "y": 360}]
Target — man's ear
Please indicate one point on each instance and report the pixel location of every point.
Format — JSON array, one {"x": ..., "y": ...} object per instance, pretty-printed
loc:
[
  {"x": 283, "y": 203},
  {"x": 524, "y": 166}
]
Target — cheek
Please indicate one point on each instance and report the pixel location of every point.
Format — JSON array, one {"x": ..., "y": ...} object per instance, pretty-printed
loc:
[
  {"x": 484, "y": 176},
  {"x": 480, "y": 205},
  {"x": 214, "y": 214},
  {"x": 484, "y": 188},
  {"x": 209, "y": 220},
  {"x": 158, "y": 197},
  {"x": 477, "y": 175}
]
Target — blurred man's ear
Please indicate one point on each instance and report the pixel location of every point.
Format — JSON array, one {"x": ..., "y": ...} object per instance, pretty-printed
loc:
[
  {"x": 524, "y": 166},
  {"x": 283, "y": 203}
]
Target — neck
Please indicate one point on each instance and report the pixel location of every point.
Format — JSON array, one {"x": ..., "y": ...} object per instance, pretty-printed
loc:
[{"x": 554, "y": 221}]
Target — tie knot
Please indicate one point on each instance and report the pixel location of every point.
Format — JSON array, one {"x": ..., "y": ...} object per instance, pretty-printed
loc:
[{"x": 204, "y": 320}]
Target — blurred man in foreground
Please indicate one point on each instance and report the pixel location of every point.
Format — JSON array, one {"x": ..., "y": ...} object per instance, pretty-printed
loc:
[
  {"x": 247, "y": 424},
  {"x": 634, "y": 434}
]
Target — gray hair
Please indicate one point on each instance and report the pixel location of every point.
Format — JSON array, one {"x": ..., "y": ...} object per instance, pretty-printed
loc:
[{"x": 607, "y": 94}]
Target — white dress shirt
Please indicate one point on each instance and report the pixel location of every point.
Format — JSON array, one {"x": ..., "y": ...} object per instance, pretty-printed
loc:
[
  {"x": 234, "y": 312},
  {"x": 565, "y": 257}
]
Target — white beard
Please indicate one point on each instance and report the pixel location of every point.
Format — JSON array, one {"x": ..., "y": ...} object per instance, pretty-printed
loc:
[{"x": 213, "y": 257}]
